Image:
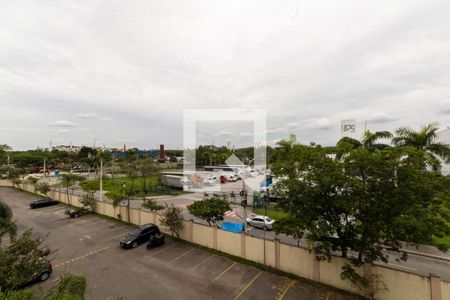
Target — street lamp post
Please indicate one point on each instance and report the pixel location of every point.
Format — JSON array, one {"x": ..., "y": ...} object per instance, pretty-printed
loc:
[
  {"x": 101, "y": 178},
  {"x": 7, "y": 170},
  {"x": 266, "y": 198}
]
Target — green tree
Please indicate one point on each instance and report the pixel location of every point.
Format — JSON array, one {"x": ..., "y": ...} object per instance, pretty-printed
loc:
[
  {"x": 3, "y": 149},
  {"x": 88, "y": 199},
  {"x": 146, "y": 167},
  {"x": 68, "y": 181},
  {"x": 425, "y": 139},
  {"x": 211, "y": 210},
  {"x": 173, "y": 220},
  {"x": 290, "y": 226},
  {"x": 20, "y": 260},
  {"x": 130, "y": 169},
  {"x": 369, "y": 141},
  {"x": 7, "y": 225},
  {"x": 116, "y": 197},
  {"x": 152, "y": 205},
  {"x": 33, "y": 180},
  {"x": 43, "y": 188},
  {"x": 14, "y": 175},
  {"x": 356, "y": 204},
  {"x": 70, "y": 287}
]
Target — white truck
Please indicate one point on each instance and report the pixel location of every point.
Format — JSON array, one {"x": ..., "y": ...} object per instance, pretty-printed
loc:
[{"x": 180, "y": 182}]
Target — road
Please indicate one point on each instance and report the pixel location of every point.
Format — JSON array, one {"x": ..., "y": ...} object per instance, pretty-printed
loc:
[{"x": 89, "y": 245}]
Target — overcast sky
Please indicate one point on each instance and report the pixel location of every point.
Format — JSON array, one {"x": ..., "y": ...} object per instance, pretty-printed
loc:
[{"x": 123, "y": 71}]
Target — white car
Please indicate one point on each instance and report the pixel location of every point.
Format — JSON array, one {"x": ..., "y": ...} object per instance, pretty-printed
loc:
[
  {"x": 260, "y": 222},
  {"x": 210, "y": 181}
]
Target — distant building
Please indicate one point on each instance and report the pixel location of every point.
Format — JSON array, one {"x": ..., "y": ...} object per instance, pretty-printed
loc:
[{"x": 70, "y": 148}]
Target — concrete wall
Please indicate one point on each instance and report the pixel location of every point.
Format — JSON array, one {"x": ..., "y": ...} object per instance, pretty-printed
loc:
[
  {"x": 202, "y": 235},
  {"x": 445, "y": 289},
  {"x": 297, "y": 261},
  {"x": 229, "y": 242},
  {"x": 291, "y": 259},
  {"x": 402, "y": 285}
]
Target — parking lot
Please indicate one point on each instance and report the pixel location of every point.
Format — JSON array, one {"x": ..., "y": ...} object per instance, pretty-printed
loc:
[{"x": 89, "y": 245}]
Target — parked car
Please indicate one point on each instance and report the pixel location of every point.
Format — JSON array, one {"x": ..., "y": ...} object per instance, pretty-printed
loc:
[
  {"x": 42, "y": 203},
  {"x": 42, "y": 274},
  {"x": 210, "y": 181},
  {"x": 138, "y": 236},
  {"x": 260, "y": 222},
  {"x": 75, "y": 213}
]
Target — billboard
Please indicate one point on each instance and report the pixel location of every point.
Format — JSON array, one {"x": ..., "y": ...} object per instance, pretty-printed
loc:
[{"x": 348, "y": 128}]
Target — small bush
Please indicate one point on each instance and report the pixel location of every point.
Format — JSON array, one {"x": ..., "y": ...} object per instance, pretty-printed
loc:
[{"x": 70, "y": 287}]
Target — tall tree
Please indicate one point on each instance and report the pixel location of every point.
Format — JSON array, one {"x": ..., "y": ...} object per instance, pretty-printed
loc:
[
  {"x": 33, "y": 180},
  {"x": 68, "y": 181},
  {"x": 146, "y": 168},
  {"x": 173, "y": 220},
  {"x": 368, "y": 141},
  {"x": 7, "y": 225},
  {"x": 211, "y": 210},
  {"x": 426, "y": 139},
  {"x": 368, "y": 198},
  {"x": 44, "y": 188},
  {"x": 3, "y": 149},
  {"x": 20, "y": 260}
]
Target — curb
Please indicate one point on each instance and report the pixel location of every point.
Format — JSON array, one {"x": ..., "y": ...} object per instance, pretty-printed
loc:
[{"x": 416, "y": 253}]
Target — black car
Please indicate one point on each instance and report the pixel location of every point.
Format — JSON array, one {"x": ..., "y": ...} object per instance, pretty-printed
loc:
[
  {"x": 75, "y": 213},
  {"x": 138, "y": 236},
  {"x": 42, "y": 274},
  {"x": 42, "y": 203}
]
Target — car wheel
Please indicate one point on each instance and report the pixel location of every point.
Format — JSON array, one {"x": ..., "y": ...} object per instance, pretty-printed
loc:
[
  {"x": 134, "y": 245},
  {"x": 76, "y": 215},
  {"x": 265, "y": 228},
  {"x": 44, "y": 276},
  {"x": 248, "y": 224}
]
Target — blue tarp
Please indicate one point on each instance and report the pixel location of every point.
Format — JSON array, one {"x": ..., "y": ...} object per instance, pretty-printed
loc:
[
  {"x": 266, "y": 182},
  {"x": 234, "y": 227}
]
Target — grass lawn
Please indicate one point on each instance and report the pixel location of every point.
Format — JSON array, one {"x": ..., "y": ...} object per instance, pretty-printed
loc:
[
  {"x": 272, "y": 212},
  {"x": 442, "y": 241},
  {"x": 151, "y": 186}
]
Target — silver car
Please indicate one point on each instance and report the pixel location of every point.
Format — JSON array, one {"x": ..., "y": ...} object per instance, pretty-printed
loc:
[{"x": 260, "y": 222}]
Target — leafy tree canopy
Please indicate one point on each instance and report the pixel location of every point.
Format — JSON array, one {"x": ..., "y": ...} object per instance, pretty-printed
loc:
[
  {"x": 20, "y": 260},
  {"x": 211, "y": 210},
  {"x": 362, "y": 202},
  {"x": 173, "y": 220}
]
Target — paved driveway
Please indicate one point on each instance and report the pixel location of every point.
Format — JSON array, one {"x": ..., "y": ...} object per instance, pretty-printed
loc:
[{"x": 89, "y": 246}]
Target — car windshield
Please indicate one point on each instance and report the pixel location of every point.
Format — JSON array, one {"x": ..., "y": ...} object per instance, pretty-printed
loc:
[
  {"x": 135, "y": 232},
  {"x": 268, "y": 219}
]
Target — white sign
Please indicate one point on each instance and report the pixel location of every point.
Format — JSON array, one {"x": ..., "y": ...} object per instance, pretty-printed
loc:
[{"x": 348, "y": 127}]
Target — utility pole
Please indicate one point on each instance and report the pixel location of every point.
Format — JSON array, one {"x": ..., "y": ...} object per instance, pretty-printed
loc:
[
  {"x": 266, "y": 197},
  {"x": 101, "y": 178},
  {"x": 7, "y": 170},
  {"x": 112, "y": 166},
  {"x": 45, "y": 167}
]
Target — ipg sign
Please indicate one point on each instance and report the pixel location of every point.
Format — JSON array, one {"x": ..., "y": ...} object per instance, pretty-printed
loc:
[
  {"x": 192, "y": 117},
  {"x": 348, "y": 126}
]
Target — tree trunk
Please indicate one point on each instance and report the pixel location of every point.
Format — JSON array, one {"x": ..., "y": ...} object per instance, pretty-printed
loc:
[{"x": 67, "y": 193}]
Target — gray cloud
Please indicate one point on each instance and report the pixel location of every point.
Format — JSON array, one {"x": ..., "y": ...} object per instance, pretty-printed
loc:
[
  {"x": 63, "y": 123},
  {"x": 126, "y": 71}
]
